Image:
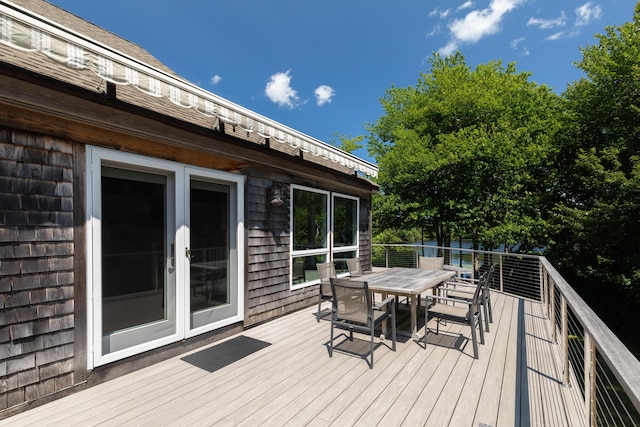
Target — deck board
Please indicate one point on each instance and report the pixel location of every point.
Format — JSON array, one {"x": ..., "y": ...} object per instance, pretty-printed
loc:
[
  {"x": 480, "y": 396},
  {"x": 294, "y": 382}
]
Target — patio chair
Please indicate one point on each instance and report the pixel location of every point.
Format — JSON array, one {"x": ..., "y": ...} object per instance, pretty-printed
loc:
[
  {"x": 355, "y": 269},
  {"x": 430, "y": 263},
  {"x": 463, "y": 289},
  {"x": 326, "y": 271},
  {"x": 469, "y": 313},
  {"x": 353, "y": 310}
]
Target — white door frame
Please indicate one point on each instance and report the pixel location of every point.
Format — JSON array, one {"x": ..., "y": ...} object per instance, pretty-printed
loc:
[{"x": 95, "y": 158}]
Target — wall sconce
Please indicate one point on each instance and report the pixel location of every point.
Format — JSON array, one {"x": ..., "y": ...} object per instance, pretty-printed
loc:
[{"x": 275, "y": 195}]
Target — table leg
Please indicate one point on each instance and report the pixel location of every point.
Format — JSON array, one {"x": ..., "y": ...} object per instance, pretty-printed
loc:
[
  {"x": 384, "y": 324},
  {"x": 414, "y": 316}
]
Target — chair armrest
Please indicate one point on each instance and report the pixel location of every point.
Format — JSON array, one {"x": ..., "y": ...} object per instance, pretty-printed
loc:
[
  {"x": 389, "y": 300},
  {"x": 445, "y": 299},
  {"x": 466, "y": 280},
  {"x": 459, "y": 284},
  {"x": 459, "y": 291}
]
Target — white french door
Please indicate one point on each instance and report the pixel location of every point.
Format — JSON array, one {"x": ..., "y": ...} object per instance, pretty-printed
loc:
[
  {"x": 211, "y": 251},
  {"x": 163, "y": 252}
]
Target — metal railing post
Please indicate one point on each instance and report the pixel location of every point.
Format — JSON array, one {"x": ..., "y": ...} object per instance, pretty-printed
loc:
[
  {"x": 565, "y": 343},
  {"x": 589, "y": 380},
  {"x": 386, "y": 256},
  {"x": 552, "y": 314},
  {"x": 542, "y": 277},
  {"x": 501, "y": 272}
]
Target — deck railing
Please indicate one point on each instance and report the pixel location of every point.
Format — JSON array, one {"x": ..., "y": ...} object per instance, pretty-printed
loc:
[{"x": 601, "y": 371}]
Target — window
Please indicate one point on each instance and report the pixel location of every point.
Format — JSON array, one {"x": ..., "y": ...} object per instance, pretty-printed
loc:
[
  {"x": 324, "y": 227},
  {"x": 345, "y": 230},
  {"x": 310, "y": 220}
]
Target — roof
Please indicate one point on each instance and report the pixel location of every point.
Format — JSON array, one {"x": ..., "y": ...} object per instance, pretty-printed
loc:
[{"x": 48, "y": 40}]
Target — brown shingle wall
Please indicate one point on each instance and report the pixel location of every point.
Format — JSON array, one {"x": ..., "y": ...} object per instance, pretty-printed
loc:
[
  {"x": 36, "y": 267},
  {"x": 268, "y": 293},
  {"x": 365, "y": 234}
]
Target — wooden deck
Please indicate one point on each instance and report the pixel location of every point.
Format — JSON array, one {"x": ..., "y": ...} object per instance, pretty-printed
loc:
[{"x": 294, "y": 382}]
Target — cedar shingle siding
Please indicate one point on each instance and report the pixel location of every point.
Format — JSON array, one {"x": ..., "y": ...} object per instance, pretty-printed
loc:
[{"x": 36, "y": 267}]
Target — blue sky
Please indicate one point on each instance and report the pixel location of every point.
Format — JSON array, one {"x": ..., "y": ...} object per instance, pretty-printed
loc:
[{"x": 321, "y": 66}]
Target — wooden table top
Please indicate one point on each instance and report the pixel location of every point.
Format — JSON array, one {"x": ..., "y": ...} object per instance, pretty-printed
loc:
[{"x": 404, "y": 281}]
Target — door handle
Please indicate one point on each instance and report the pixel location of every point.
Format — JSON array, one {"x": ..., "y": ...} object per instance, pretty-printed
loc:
[{"x": 187, "y": 253}]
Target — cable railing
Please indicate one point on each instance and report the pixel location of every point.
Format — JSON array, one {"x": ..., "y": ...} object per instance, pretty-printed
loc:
[{"x": 596, "y": 364}]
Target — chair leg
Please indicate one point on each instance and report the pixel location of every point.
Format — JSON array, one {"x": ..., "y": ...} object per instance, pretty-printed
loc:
[
  {"x": 393, "y": 328},
  {"x": 486, "y": 314},
  {"x": 480, "y": 327},
  {"x": 331, "y": 341},
  {"x": 319, "y": 306},
  {"x": 372, "y": 345},
  {"x": 426, "y": 328},
  {"x": 472, "y": 323}
]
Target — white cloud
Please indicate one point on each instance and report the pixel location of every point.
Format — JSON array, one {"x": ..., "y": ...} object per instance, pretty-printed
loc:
[
  {"x": 545, "y": 24},
  {"x": 587, "y": 13},
  {"x": 279, "y": 90},
  {"x": 514, "y": 43},
  {"x": 324, "y": 94},
  {"x": 557, "y": 35},
  {"x": 435, "y": 31},
  {"x": 449, "y": 48},
  {"x": 465, "y": 5},
  {"x": 441, "y": 13},
  {"x": 215, "y": 79},
  {"x": 478, "y": 24}
]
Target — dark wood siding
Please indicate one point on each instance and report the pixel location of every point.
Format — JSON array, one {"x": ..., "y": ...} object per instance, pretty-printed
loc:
[
  {"x": 365, "y": 234},
  {"x": 268, "y": 243},
  {"x": 36, "y": 266}
]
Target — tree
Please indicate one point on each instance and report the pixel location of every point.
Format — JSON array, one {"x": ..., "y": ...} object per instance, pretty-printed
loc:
[
  {"x": 598, "y": 212},
  {"x": 465, "y": 153},
  {"x": 347, "y": 143}
]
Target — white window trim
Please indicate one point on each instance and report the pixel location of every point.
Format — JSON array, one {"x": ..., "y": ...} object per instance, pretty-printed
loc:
[
  {"x": 307, "y": 252},
  {"x": 329, "y": 251},
  {"x": 356, "y": 246}
]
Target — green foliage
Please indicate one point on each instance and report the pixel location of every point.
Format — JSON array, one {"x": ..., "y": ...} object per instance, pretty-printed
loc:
[
  {"x": 597, "y": 214},
  {"x": 347, "y": 143},
  {"x": 402, "y": 235},
  {"x": 465, "y": 153}
]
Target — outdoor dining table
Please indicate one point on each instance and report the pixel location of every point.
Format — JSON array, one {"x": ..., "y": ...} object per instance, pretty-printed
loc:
[
  {"x": 407, "y": 282},
  {"x": 460, "y": 271}
]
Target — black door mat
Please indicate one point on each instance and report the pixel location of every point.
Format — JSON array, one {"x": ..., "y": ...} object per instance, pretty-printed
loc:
[{"x": 213, "y": 358}]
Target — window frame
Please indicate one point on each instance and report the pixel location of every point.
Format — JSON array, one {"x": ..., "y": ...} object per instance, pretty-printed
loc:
[
  {"x": 329, "y": 250},
  {"x": 350, "y": 248}
]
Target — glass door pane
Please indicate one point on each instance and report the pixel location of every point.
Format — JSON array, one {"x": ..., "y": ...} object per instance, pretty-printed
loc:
[
  {"x": 209, "y": 251},
  {"x": 138, "y": 291},
  {"x": 212, "y": 293}
]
